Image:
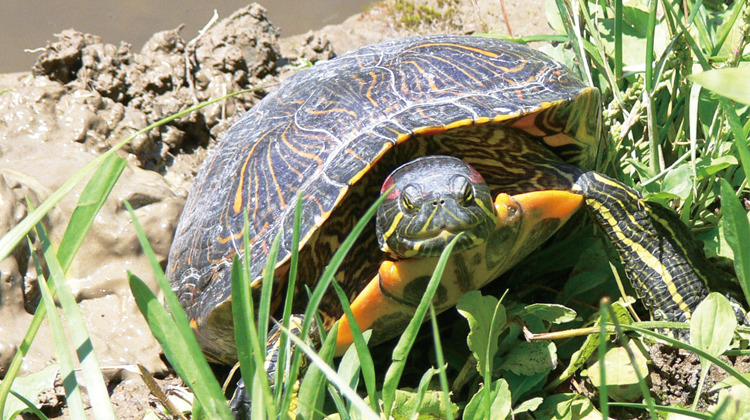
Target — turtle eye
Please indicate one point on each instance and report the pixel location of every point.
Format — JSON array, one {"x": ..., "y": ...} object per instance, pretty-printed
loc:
[
  {"x": 468, "y": 196},
  {"x": 408, "y": 199},
  {"x": 463, "y": 189}
]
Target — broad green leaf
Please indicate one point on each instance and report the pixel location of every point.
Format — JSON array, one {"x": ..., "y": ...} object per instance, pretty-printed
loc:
[
  {"x": 708, "y": 165},
  {"x": 729, "y": 381},
  {"x": 736, "y": 232},
  {"x": 552, "y": 313},
  {"x": 590, "y": 345},
  {"x": 733, "y": 83},
  {"x": 30, "y": 386},
  {"x": 622, "y": 381},
  {"x": 500, "y": 407},
  {"x": 679, "y": 181},
  {"x": 735, "y": 401},
  {"x": 567, "y": 407},
  {"x": 485, "y": 314},
  {"x": 591, "y": 273},
  {"x": 711, "y": 330},
  {"x": 431, "y": 405},
  {"x": 553, "y": 17},
  {"x": 530, "y": 358},
  {"x": 528, "y": 405},
  {"x": 712, "y": 325},
  {"x": 521, "y": 385}
]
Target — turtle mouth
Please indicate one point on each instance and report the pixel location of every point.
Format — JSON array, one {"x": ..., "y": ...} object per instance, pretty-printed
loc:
[
  {"x": 432, "y": 242},
  {"x": 440, "y": 233}
]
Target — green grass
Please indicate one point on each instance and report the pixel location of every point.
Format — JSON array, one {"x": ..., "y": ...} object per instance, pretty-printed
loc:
[{"x": 674, "y": 76}]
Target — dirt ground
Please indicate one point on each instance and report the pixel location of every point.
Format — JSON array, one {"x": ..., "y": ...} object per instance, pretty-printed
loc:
[{"x": 83, "y": 96}]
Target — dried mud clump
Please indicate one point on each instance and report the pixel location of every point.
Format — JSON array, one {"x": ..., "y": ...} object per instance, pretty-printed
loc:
[
  {"x": 676, "y": 373},
  {"x": 112, "y": 91}
]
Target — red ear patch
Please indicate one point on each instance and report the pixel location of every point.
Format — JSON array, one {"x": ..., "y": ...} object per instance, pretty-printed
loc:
[
  {"x": 476, "y": 177},
  {"x": 387, "y": 184}
]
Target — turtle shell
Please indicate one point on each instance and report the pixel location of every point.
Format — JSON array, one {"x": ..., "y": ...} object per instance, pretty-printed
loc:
[{"x": 329, "y": 134}]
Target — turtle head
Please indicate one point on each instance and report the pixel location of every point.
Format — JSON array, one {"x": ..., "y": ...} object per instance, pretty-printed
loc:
[{"x": 434, "y": 199}]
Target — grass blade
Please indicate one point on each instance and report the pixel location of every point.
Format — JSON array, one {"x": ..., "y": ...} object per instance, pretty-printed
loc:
[
  {"x": 311, "y": 390},
  {"x": 248, "y": 337},
  {"x": 174, "y": 331},
  {"x": 90, "y": 368},
  {"x": 29, "y": 386},
  {"x": 440, "y": 361},
  {"x": 64, "y": 359},
  {"x": 291, "y": 285},
  {"x": 740, "y": 136},
  {"x": 335, "y": 379},
  {"x": 29, "y": 405},
  {"x": 360, "y": 344},
  {"x": 602, "y": 351},
  {"x": 267, "y": 286},
  {"x": 180, "y": 351},
  {"x": 737, "y": 231},
  {"x": 89, "y": 203},
  {"x": 405, "y": 343}
]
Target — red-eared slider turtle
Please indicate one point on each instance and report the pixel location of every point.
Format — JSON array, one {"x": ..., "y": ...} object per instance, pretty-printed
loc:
[{"x": 478, "y": 135}]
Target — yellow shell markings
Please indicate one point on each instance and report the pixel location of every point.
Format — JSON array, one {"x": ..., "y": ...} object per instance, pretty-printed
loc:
[
  {"x": 645, "y": 255},
  {"x": 372, "y": 85},
  {"x": 238, "y": 202},
  {"x": 502, "y": 69},
  {"x": 295, "y": 152},
  {"x": 430, "y": 80}
]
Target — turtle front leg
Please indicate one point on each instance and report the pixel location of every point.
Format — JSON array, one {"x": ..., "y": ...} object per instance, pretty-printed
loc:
[{"x": 665, "y": 264}]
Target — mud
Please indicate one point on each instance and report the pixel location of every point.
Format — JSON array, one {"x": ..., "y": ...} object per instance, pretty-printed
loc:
[
  {"x": 676, "y": 373},
  {"x": 83, "y": 96}
]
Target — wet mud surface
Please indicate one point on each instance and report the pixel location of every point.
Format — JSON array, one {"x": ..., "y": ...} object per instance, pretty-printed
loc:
[{"x": 83, "y": 96}]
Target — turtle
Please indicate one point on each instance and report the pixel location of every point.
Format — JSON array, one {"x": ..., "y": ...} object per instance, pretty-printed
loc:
[{"x": 472, "y": 136}]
